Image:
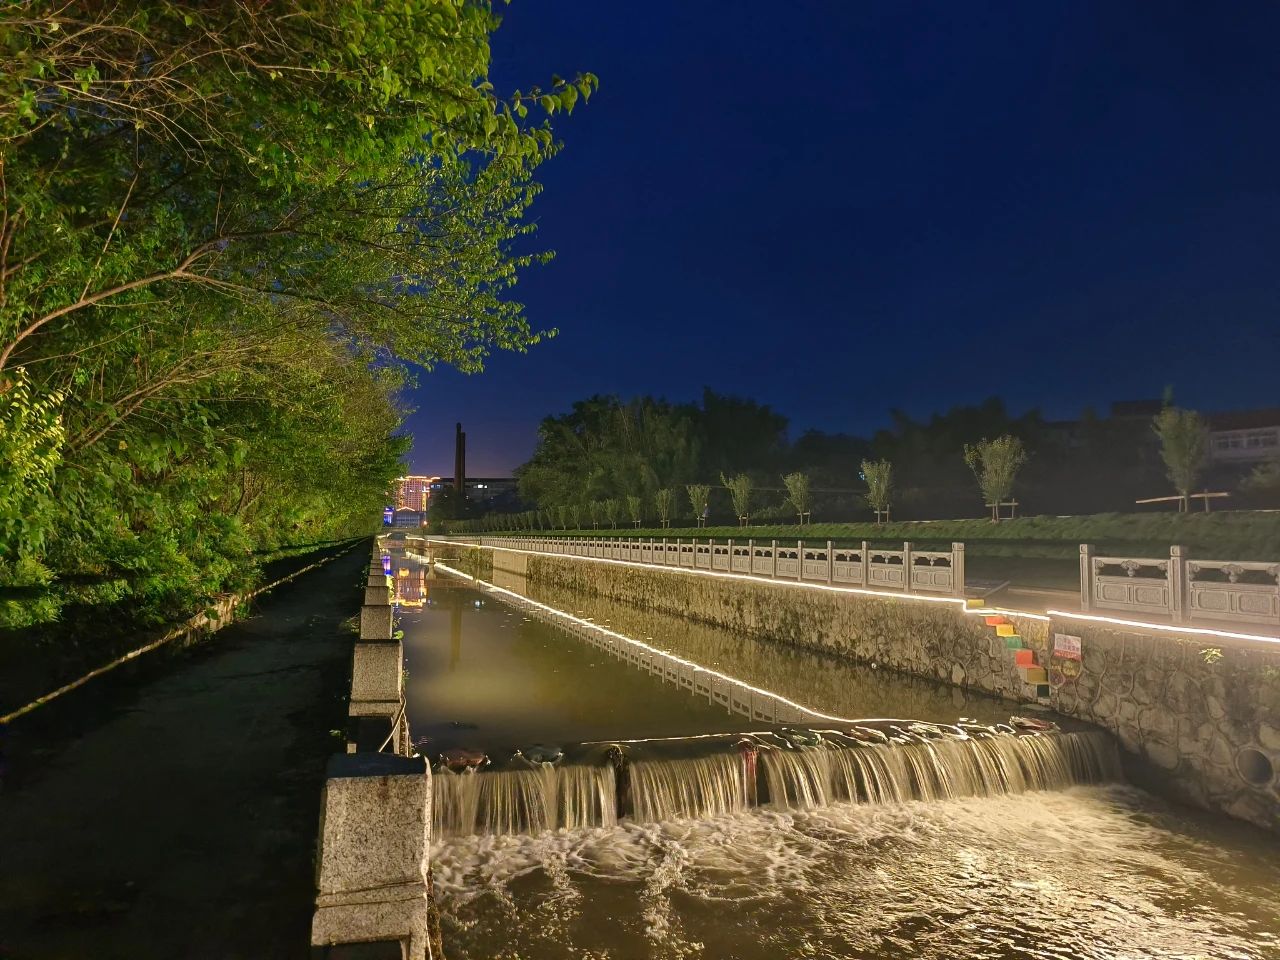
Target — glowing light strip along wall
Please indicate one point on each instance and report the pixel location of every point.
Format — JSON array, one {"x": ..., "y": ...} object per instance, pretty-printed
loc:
[
  {"x": 555, "y": 613},
  {"x": 1165, "y": 627},
  {"x": 832, "y": 588}
]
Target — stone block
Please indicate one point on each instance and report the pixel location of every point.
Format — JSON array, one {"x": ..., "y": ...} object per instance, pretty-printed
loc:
[
  {"x": 377, "y": 596},
  {"x": 375, "y": 834},
  {"x": 377, "y": 672},
  {"x": 376, "y": 622}
]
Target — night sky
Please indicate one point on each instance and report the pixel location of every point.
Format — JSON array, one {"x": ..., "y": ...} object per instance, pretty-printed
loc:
[{"x": 839, "y": 208}]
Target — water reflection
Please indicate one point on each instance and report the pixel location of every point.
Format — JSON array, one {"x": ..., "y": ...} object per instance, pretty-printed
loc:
[
  {"x": 481, "y": 674},
  {"x": 825, "y": 684}
]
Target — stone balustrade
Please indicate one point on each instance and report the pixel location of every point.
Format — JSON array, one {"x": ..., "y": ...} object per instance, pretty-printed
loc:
[
  {"x": 907, "y": 569},
  {"x": 373, "y": 877},
  {"x": 1181, "y": 588}
]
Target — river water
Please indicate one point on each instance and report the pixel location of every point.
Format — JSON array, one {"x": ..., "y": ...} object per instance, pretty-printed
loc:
[{"x": 992, "y": 866}]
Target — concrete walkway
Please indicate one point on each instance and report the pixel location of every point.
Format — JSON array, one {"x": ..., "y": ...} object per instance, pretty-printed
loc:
[{"x": 183, "y": 822}]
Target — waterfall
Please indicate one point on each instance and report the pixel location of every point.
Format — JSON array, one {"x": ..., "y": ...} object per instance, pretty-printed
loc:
[
  {"x": 935, "y": 770},
  {"x": 835, "y": 771},
  {"x": 523, "y": 801},
  {"x": 702, "y": 787}
]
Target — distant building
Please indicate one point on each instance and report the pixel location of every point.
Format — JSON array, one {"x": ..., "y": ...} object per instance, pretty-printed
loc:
[
  {"x": 1245, "y": 436},
  {"x": 408, "y": 518},
  {"x": 413, "y": 492},
  {"x": 486, "y": 493}
]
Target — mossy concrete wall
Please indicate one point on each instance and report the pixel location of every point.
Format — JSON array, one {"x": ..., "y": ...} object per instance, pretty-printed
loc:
[{"x": 1203, "y": 712}]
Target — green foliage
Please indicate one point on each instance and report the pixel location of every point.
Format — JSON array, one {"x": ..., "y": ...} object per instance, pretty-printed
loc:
[
  {"x": 878, "y": 475},
  {"x": 996, "y": 463},
  {"x": 739, "y": 487},
  {"x": 613, "y": 510},
  {"x": 226, "y": 231},
  {"x": 798, "y": 494},
  {"x": 1184, "y": 446},
  {"x": 1264, "y": 481},
  {"x": 604, "y": 448},
  {"x": 31, "y": 441},
  {"x": 664, "y": 500},
  {"x": 635, "y": 508},
  {"x": 699, "y": 499}
]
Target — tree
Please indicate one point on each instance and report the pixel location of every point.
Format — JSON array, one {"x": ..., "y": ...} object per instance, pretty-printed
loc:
[
  {"x": 608, "y": 448},
  {"x": 635, "y": 507},
  {"x": 664, "y": 499},
  {"x": 596, "y": 509},
  {"x": 798, "y": 494},
  {"x": 575, "y": 512},
  {"x": 739, "y": 488},
  {"x": 699, "y": 501},
  {"x": 1184, "y": 447},
  {"x": 995, "y": 463},
  {"x": 562, "y": 516},
  {"x": 879, "y": 477},
  {"x": 613, "y": 510},
  {"x": 225, "y": 230}
]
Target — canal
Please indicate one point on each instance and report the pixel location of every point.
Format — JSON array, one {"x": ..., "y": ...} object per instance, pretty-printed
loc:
[{"x": 995, "y": 846}]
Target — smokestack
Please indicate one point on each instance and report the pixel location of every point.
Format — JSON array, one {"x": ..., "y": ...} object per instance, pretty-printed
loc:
[{"x": 460, "y": 460}]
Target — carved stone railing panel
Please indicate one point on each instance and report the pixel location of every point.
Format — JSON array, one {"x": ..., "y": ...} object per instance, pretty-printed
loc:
[{"x": 906, "y": 569}]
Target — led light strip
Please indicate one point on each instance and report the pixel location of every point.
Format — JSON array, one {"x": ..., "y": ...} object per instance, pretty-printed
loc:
[
  {"x": 892, "y": 595},
  {"x": 555, "y": 613},
  {"x": 720, "y": 574},
  {"x": 1164, "y": 627}
]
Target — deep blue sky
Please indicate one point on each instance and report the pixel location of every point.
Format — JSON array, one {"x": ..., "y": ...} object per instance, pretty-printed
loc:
[{"x": 841, "y": 207}]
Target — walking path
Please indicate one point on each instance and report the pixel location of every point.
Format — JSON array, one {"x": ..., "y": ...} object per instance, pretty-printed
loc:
[{"x": 183, "y": 823}]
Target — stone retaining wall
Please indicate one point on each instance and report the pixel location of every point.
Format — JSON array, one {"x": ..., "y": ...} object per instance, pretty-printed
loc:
[
  {"x": 1203, "y": 712},
  {"x": 924, "y": 637}
]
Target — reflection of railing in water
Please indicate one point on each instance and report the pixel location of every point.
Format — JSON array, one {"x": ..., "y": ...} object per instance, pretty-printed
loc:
[
  {"x": 764, "y": 769},
  {"x": 735, "y": 695}
]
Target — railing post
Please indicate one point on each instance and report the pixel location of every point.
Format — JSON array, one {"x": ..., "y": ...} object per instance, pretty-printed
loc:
[
  {"x": 664, "y": 551},
  {"x": 866, "y": 565},
  {"x": 1086, "y": 576},
  {"x": 751, "y": 556},
  {"x": 906, "y": 564},
  {"x": 730, "y": 567},
  {"x": 957, "y": 568},
  {"x": 1179, "y": 589},
  {"x": 694, "y": 554},
  {"x": 831, "y": 563},
  {"x": 799, "y": 559},
  {"x": 773, "y": 572}
]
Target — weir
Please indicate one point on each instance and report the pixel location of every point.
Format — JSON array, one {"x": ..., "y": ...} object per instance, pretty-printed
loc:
[{"x": 645, "y": 783}]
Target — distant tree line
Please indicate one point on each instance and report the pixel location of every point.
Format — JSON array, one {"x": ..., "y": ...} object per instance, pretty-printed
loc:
[{"x": 648, "y": 462}]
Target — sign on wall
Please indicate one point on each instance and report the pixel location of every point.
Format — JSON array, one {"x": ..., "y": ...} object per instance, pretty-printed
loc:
[{"x": 1066, "y": 646}]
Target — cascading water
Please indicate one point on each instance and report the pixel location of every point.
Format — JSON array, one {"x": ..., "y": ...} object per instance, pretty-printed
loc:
[
  {"x": 815, "y": 776},
  {"x": 547, "y": 797},
  {"x": 835, "y": 770},
  {"x": 702, "y": 787}
]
